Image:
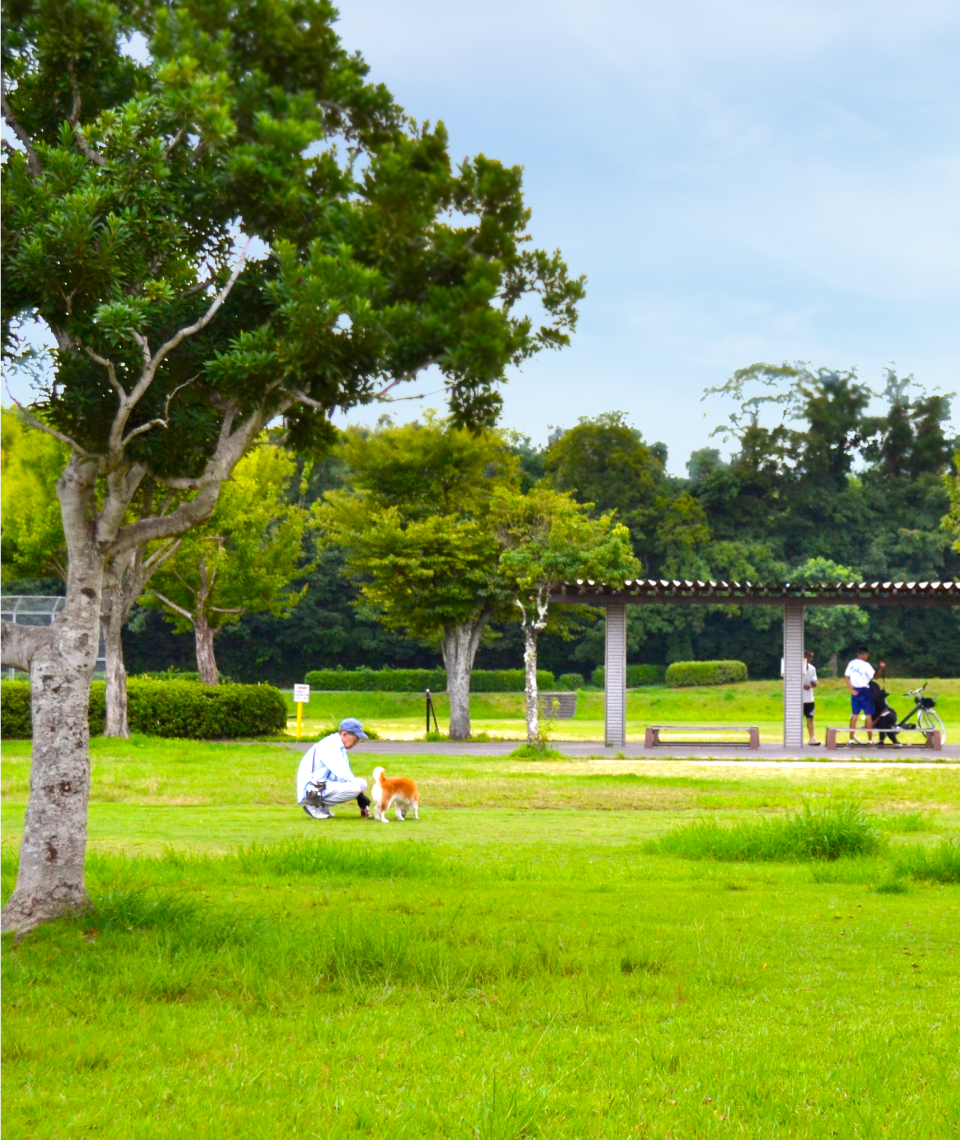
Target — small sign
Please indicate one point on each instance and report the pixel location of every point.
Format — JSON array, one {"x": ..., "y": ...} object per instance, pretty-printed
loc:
[{"x": 301, "y": 693}]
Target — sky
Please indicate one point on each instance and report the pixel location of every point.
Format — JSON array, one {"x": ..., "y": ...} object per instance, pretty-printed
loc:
[{"x": 741, "y": 181}]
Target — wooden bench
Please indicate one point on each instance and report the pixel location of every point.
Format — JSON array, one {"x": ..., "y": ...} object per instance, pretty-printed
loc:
[
  {"x": 652, "y": 737},
  {"x": 563, "y": 706},
  {"x": 931, "y": 737}
]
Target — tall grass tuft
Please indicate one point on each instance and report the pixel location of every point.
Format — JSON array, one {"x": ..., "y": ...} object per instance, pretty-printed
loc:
[
  {"x": 940, "y": 864},
  {"x": 814, "y": 833}
]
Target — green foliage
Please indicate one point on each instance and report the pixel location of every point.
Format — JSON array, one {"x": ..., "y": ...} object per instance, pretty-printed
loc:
[
  {"x": 170, "y": 708},
  {"x": 682, "y": 673},
  {"x": 638, "y": 676},
  {"x": 33, "y": 544},
  {"x": 245, "y": 559},
  {"x": 827, "y": 832},
  {"x": 568, "y": 681},
  {"x": 15, "y": 718},
  {"x": 417, "y": 680},
  {"x": 951, "y": 484},
  {"x": 415, "y": 525}
]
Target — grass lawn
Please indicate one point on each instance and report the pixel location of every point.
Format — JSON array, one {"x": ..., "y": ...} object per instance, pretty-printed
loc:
[
  {"x": 401, "y": 716},
  {"x": 520, "y": 963}
]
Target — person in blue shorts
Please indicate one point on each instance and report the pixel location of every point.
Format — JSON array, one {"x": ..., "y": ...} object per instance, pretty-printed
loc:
[{"x": 859, "y": 673}]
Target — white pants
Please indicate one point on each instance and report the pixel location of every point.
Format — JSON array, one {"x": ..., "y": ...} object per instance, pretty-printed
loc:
[{"x": 341, "y": 791}]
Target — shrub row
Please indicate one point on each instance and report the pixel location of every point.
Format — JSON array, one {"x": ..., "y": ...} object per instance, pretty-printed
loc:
[
  {"x": 637, "y": 675},
  {"x": 167, "y": 708},
  {"x": 682, "y": 673},
  {"x": 416, "y": 680}
]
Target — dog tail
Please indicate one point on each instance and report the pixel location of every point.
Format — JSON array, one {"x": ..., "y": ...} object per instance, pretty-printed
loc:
[{"x": 377, "y": 773}]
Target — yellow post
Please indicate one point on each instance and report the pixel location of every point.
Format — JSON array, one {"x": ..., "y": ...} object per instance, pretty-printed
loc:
[{"x": 299, "y": 718}]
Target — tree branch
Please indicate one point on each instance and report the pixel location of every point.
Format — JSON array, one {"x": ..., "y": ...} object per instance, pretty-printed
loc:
[
  {"x": 34, "y": 422},
  {"x": 20, "y": 642},
  {"x": 152, "y": 363},
  {"x": 111, "y": 373},
  {"x": 173, "y": 606},
  {"x": 33, "y": 159},
  {"x": 74, "y": 119}
]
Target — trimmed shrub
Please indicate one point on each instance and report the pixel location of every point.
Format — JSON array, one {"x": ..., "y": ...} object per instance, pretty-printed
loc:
[
  {"x": 377, "y": 680},
  {"x": 416, "y": 680},
  {"x": 15, "y": 709},
  {"x": 568, "y": 681},
  {"x": 682, "y": 673},
  {"x": 171, "y": 708},
  {"x": 170, "y": 675},
  {"x": 637, "y": 676}
]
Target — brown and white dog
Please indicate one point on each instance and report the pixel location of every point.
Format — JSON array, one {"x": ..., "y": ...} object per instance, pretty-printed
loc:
[{"x": 400, "y": 792}]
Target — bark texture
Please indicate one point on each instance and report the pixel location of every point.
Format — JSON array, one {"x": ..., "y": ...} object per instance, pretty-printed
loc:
[
  {"x": 530, "y": 677},
  {"x": 50, "y": 879},
  {"x": 203, "y": 633},
  {"x": 460, "y": 643},
  {"x": 116, "y": 722}
]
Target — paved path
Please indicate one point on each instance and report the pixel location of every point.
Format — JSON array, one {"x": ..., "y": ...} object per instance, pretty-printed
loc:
[{"x": 766, "y": 756}]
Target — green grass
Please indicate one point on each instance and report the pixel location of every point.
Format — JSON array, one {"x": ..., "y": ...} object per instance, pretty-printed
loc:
[
  {"x": 516, "y": 964},
  {"x": 401, "y": 715},
  {"x": 827, "y": 831}
]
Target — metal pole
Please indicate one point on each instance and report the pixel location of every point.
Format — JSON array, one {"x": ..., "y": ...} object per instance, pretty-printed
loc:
[
  {"x": 615, "y": 675},
  {"x": 793, "y": 675}
]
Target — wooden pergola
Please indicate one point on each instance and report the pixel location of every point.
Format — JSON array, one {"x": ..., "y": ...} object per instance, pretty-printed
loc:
[{"x": 792, "y": 597}]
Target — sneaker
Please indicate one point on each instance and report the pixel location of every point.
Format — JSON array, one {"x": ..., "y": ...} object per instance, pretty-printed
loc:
[
  {"x": 317, "y": 811},
  {"x": 814, "y": 743},
  {"x": 853, "y": 740},
  {"x": 365, "y": 813}
]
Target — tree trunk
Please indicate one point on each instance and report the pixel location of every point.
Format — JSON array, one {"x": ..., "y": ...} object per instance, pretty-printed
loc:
[
  {"x": 111, "y": 619},
  {"x": 533, "y": 696},
  {"x": 460, "y": 644},
  {"x": 206, "y": 662},
  {"x": 50, "y": 880}
]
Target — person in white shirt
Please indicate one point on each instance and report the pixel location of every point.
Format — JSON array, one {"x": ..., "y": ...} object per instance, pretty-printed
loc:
[
  {"x": 859, "y": 674},
  {"x": 324, "y": 776},
  {"x": 809, "y": 684}
]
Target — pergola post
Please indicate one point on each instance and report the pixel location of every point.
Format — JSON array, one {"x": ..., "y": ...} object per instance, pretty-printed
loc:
[
  {"x": 793, "y": 674},
  {"x": 615, "y": 675}
]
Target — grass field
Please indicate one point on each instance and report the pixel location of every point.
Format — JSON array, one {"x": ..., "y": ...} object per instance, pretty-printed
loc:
[
  {"x": 400, "y": 716},
  {"x": 526, "y": 961}
]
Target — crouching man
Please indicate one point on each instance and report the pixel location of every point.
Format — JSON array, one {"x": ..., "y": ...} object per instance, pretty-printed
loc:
[{"x": 324, "y": 777}]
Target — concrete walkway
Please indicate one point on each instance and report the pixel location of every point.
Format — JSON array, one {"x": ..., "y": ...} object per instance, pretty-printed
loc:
[{"x": 766, "y": 755}]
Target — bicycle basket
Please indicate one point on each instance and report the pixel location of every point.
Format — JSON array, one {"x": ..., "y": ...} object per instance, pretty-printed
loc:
[{"x": 927, "y": 702}]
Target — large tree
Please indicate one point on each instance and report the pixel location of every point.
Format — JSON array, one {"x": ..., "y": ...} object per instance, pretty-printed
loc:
[
  {"x": 244, "y": 560},
  {"x": 548, "y": 538},
  {"x": 416, "y": 531},
  {"x": 221, "y": 225}
]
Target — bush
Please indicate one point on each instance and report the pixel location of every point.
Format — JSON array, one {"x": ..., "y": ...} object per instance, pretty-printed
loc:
[
  {"x": 940, "y": 864},
  {"x": 637, "y": 676},
  {"x": 15, "y": 709},
  {"x": 416, "y": 680},
  {"x": 682, "y": 673},
  {"x": 568, "y": 681},
  {"x": 171, "y": 675},
  {"x": 170, "y": 708},
  {"x": 814, "y": 833},
  {"x": 377, "y": 680}
]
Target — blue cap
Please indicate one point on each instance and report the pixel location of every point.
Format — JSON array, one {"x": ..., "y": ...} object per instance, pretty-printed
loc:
[{"x": 351, "y": 724}]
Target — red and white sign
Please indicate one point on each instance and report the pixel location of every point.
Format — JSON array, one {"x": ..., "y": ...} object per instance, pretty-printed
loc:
[{"x": 301, "y": 693}]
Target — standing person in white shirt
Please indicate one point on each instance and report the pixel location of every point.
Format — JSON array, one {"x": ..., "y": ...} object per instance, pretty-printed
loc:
[
  {"x": 324, "y": 776},
  {"x": 809, "y": 684},
  {"x": 859, "y": 674}
]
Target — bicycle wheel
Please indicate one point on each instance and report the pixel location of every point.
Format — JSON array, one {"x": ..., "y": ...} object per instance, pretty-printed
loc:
[{"x": 927, "y": 718}]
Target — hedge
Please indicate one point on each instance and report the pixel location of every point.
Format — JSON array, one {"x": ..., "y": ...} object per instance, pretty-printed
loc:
[
  {"x": 416, "y": 680},
  {"x": 570, "y": 681},
  {"x": 637, "y": 675},
  {"x": 167, "y": 708},
  {"x": 682, "y": 673}
]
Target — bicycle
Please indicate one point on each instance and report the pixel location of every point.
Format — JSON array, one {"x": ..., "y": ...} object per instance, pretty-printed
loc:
[{"x": 926, "y": 717}]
